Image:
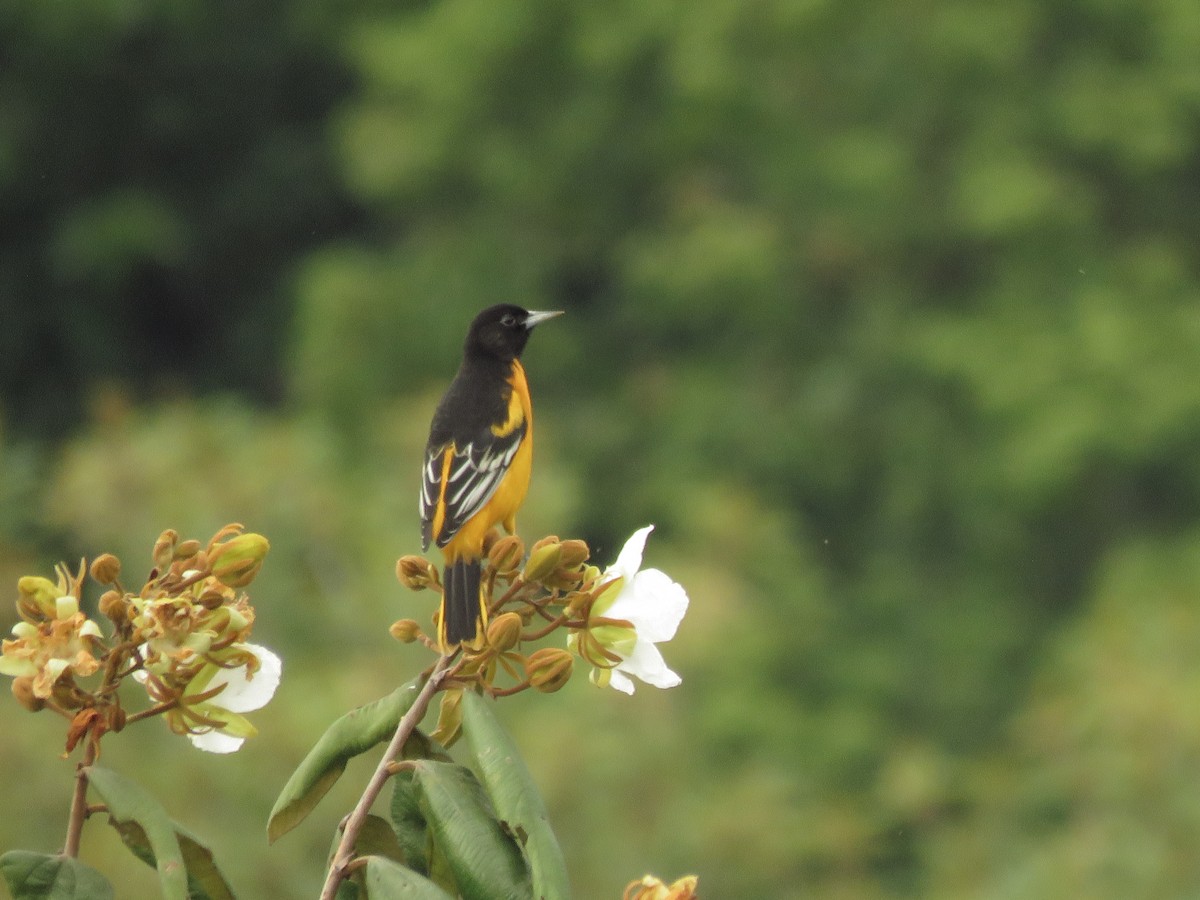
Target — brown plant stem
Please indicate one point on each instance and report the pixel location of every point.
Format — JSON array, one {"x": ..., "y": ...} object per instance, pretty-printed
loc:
[
  {"x": 539, "y": 633},
  {"x": 509, "y": 691},
  {"x": 79, "y": 805},
  {"x": 340, "y": 866},
  {"x": 155, "y": 710},
  {"x": 91, "y": 749}
]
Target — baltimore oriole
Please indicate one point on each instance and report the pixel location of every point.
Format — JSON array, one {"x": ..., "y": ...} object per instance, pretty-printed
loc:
[{"x": 477, "y": 461}]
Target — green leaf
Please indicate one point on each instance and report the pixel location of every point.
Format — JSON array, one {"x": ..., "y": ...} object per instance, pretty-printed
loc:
[
  {"x": 205, "y": 881},
  {"x": 41, "y": 876},
  {"x": 383, "y": 879},
  {"x": 411, "y": 829},
  {"x": 354, "y": 733},
  {"x": 142, "y": 822},
  {"x": 377, "y": 839},
  {"x": 486, "y": 861},
  {"x": 515, "y": 796}
]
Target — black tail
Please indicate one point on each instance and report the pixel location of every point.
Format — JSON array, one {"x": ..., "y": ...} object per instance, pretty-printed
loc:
[{"x": 462, "y": 603}]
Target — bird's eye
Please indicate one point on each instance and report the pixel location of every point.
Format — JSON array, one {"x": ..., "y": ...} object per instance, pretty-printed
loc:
[{"x": 509, "y": 320}]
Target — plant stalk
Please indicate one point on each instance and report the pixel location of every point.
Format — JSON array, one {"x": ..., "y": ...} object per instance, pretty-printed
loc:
[
  {"x": 338, "y": 868},
  {"x": 79, "y": 806}
]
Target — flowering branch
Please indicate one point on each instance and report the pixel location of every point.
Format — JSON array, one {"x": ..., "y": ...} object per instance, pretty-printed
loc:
[{"x": 182, "y": 636}]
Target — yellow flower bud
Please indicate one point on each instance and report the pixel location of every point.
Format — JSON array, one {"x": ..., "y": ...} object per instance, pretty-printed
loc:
[
  {"x": 38, "y": 597},
  {"x": 416, "y": 572},
  {"x": 22, "y": 689},
  {"x": 506, "y": 554},
  {"x": 549, "y": 668},
  {"x": 504, "y": 632},
  {"x": 405, "y": 630},
  {"x": 236, "y": 561},
  {"x": 106, "y": 568},
  {"x": 543, "y": 559},
  {"x": 164, "y": 548}
]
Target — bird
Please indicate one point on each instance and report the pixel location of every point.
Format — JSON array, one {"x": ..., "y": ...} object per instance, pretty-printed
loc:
[{"x": 478, "y": 461}]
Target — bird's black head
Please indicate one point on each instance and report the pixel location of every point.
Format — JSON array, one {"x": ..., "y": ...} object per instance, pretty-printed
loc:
[{"x": 502, "y": 331}]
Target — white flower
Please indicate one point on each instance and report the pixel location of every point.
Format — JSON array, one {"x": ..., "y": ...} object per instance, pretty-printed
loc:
[
  {"x": 243, "y": 693},
  {"x": 649, "y": 601},
  {"x": 217, "y": 724}
]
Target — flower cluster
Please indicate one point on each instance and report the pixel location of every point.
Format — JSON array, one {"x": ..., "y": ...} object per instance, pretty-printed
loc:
[
  {"x": 191, "y": 625},
  {"x": 53, "y": 643},
  {"x": 183, "y": 636},
  {"x": 613, "y": 619}
]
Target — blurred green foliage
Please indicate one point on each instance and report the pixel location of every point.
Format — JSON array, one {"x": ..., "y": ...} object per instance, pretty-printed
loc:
[{"x": 888, "y": 317}]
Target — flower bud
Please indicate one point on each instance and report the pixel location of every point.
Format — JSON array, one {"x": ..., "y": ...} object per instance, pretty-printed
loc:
[
  {"x": 236, "y": 561},
  {"x": 106, "y": 568},
  {"x": 187, "y": 549},
  {"x": 574, "y": 553},
  {"x": 22, "y": 689},
  {"x": 405, "y": 630},
  {"x": 416, "y": 572},
  {"x": 543, "y": 559},
  {"x": 213, "y": 596},
  {"x": 164, "y": 548},
  {"x": 506, "y": 554},
  {"x": 549, "y": 668},
  {"x": 113, "y": 606},
  {"x": 504, "y": 632},
  {"x": 38, "y": 596}
]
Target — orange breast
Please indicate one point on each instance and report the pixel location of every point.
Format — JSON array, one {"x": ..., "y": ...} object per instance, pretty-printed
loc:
[{"x": 510, "y": 493}]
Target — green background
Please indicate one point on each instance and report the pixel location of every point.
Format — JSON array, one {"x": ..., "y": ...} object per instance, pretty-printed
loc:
[{"x": 886, "y": 315}]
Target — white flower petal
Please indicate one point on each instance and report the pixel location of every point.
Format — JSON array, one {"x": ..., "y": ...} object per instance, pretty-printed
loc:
[
  {"x": 16, "y": 667},
  {"x": 648, "y": 664},
  {"x": 620, "y": 681},
  {"x": 243, "y": 694},
  {"x": 90, "y": 629},
  {"x": 215, "y": 742},
  {"x": 630, "y": 558},
  {"x": 653, "y": 603}
]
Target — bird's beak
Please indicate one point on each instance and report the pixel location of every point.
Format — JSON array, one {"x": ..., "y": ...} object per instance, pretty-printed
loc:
[{"x": 535, "y": 317}]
